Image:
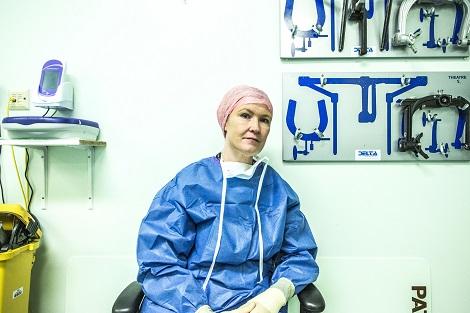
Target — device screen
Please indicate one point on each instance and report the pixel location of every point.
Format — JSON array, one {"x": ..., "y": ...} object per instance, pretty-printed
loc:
[{"x": 51, "y": 80}]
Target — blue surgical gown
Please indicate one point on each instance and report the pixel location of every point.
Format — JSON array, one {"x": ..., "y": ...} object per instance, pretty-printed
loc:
[{"x": 177, "y": 240}]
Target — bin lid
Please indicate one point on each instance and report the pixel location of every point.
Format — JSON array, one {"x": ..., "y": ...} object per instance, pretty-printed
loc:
[{"x": 16, "y": 210}]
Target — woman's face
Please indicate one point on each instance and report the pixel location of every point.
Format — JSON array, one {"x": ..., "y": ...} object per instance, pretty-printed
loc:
[{"x": 246, "y": 131}]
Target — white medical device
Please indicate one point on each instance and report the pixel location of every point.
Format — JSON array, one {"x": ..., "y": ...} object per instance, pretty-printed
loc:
[{"x": 53, "y": 91}]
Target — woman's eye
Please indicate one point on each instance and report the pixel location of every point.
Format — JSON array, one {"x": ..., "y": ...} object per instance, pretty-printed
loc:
[
  {"x": 266, "y": 121},
  {"x": 245, "y": 115}
]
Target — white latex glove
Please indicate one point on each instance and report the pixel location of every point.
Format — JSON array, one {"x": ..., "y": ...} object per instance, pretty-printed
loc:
[
  {"x": 269, "y": 301},
  {"x": 274, "y": 298},
  {"x": 246, "y": 308},
  {"x": 204, "y": 309}
]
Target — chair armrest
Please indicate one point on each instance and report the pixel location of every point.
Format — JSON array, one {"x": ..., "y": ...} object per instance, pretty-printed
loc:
[
  {"x": 129, "y": 300},
  {"x": 311, "y": 300}
]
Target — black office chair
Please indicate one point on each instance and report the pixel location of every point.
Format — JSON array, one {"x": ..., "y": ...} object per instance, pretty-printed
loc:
[{"x": 311, "y": 300}]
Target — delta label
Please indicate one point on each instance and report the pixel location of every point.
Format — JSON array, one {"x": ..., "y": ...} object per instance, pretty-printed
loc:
[{"x": 368, "y": 155}]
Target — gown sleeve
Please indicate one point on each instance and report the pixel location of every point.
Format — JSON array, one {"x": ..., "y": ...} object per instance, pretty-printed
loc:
[
  {"x": 165, "y": 240},
  {"x": 296, "y": 259}
]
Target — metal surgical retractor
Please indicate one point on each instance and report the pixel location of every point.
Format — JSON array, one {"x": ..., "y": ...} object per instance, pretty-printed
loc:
[
  {"x": 440, "y": 100},
  {"x": 402, "y": 38}
]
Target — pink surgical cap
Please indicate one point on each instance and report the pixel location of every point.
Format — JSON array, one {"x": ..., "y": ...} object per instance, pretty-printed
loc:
[{"x": 240, "y": 95}]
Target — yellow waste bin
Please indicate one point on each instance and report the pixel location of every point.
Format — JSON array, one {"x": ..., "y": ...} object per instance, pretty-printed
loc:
[{"x": 19, "y": 239}]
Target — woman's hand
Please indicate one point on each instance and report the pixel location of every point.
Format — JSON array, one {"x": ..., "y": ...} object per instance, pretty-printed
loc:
[
  {"x": 269, "y": 301},
  {"x": 246, "y": 308}
]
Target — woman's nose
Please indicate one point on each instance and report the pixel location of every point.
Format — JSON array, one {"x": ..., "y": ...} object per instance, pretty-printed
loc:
[{"x": 254, "y": 125}]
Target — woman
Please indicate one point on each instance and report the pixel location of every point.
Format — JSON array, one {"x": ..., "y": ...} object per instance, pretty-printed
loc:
[{"x": 226, "y": 234}]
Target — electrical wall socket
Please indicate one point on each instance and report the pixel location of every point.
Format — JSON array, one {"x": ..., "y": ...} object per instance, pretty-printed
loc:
[{"x": 18, "y": 100}]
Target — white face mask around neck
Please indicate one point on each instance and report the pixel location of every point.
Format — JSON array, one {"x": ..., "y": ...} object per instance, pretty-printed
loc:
[{"x": 239, "y": 169}]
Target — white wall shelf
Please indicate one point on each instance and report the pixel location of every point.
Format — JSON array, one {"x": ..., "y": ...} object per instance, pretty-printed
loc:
[
  {"x": 42, "y": 146},
  {"x": 73, "y": 142}
]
